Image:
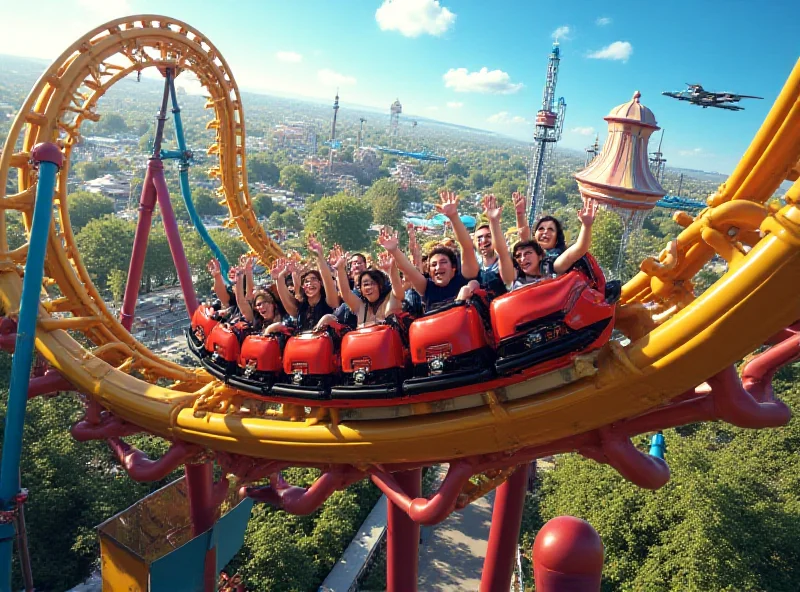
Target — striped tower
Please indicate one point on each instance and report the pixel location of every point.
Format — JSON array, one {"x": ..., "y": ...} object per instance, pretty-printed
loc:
[{"x": 619, "y": 178}]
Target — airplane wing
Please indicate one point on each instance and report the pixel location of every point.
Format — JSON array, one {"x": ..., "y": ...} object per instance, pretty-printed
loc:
[
  {"x": 675, "y": 95},
  {"x": 748, "y": 97},
  {"x": 728, "y": 107}
]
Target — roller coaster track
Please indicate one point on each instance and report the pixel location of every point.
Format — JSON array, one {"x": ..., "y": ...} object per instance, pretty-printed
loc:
[{"x": 677, "y": 341}]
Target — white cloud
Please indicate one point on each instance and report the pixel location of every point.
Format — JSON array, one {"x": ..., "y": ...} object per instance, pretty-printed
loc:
[
  {"x": 619, "y": 50},
  {"x": 455, "y": 105},
  {"x": 482, "y": 81},
  {"x": 332, "y": 78},
  {"x": 582, "y": 131},
  {"x": 289, "y": 56},
  {"x": 602, "y": 21},
  {"x": 561, "y": 33},
  {"x": 694, "y": 152},
  {"x": 504, "y": 118},
  {"x": 412, "y": 18}
]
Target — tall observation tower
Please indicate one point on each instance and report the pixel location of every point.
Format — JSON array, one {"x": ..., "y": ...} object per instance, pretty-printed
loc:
[
  {"x": 333, "y": 143},
  {"x": 549, "y": 124},
  {"x": 394, "y": 121}
]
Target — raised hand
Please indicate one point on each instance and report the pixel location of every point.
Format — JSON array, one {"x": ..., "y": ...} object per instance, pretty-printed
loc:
[
  {"x": 412, "y": 234},
  {"x": 449, "y": 204},
  {"x": 588, "y": 212},
  {"x": 388, "y": 239},
  {"x": 247, "y": 262},
  {"x": 338, "y": 259},
  {"x": 385, "y": 261},
  {"x": 520, "y": 202},
  {"x": 315, "y": 245},
  {"x": 237, "y": 272},
  {"x": 335, "y": 254},
  {"x": 491, "y": 208},
  {"x": 278, "y": 267},
  {"x": 213, "y": 267}
]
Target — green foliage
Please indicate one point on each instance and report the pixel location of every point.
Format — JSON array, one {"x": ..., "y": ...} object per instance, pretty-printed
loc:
[
  {"x": 455, "y": 183},
  {"x": 706, "y": 277},
  {"x": 291, "y": 220},
  {"x": 727, "y": 520},
  {"x": 15, "y": 230},
  {"x": 478, "y": 180},
  {"x": 74, "y": 486},
  {"x": 606, "y": 236},
  {"x": 341, "y": 219},
  {"x": 116, "y": 283},
  {"x": 384, "y": 195},
  {"x": 435, "y": 172},
  {"x": 505, "y": 186},
  {"x": 263, "y": 205},
  {"x": 454, "y": 167},
  {"x": 198, "y": 254},
  {"x": 177, "y": 202},
  {"x": 105, "y": 244},
  {"x": 93, "y": 169},
  {"x": 260, "y": 167},
  {"x": 110, "y": 124},
  {"x": 159, "y": 267},
  {"x": 146, "y": 142},
  {"x": 297, "y": 179},
  {"x": 274, "y": 220},
  {"x": 85, "y": 206},
  {"x": 285, "y": 553},
  {"x": 346, "y": 154},
  {"x": 206, "y": 203},
  {"x": 558, "y": 192}
]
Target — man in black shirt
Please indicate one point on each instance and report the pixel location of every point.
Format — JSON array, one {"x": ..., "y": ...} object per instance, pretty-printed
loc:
[{"x": 446, "y": 281}]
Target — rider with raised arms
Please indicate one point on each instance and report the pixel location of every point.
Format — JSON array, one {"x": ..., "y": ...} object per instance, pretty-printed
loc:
[{"x": 446, "y": 282}]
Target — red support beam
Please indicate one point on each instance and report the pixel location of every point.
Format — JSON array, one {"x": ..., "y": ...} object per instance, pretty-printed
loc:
[
  {"x": 202, "y": 510},
  {"x": 498, "y": 566},
  {"x": 402, "y": 537}
]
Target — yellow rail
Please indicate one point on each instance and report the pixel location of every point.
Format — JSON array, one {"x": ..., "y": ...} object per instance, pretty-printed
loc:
[{"x": 677, "y": 341}]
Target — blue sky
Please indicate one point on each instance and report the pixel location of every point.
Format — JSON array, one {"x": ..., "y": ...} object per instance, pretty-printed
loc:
[{"x": 482, "y": 64}]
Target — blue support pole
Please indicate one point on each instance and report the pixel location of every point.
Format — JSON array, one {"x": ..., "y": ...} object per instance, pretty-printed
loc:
[
  {"x": 184, "y": 155},
  {"x": 658, "y": 445},
  {"x": 49, "y": 158}
]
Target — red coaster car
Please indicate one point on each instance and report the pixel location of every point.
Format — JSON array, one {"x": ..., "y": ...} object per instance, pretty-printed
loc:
[
  {"x": 204, "y": 319},
  {"x": 558, "y": 317},
  {"x": 450, "y": 348},
  {"x": 259, "y": 363},
  {"x": 223, "y": 345},
  {"x": 374, "y": 362},
  {"x": 310, "y": 363}
]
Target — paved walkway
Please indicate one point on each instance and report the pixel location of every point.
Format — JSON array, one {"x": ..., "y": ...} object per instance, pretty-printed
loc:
[
  {"x": 348, "y": 569},
  {"x": 451, "y": 557}
]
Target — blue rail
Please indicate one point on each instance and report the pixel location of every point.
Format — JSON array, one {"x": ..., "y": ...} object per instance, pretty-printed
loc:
[
  {"x": 183, "y": 156},
  {"x": 675, "y": 202},
  {"x": 50, "y": 159},
  {"x": 423, "y": 155}
]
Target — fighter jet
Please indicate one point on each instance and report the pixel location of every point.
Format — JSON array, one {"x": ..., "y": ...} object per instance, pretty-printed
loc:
[{"x": 697, "y": 95}]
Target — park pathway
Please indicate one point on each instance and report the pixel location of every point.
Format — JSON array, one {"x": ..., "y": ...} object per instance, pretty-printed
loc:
[{"x": 452, "y": 553}]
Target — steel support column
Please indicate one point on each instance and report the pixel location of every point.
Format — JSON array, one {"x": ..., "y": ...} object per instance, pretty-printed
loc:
[
  {"x": 202, "y": 510},
  {"x": 498, "y": 566},
  {"x": 49, "y": 158},
  {"x": 402, "y": 538}
]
